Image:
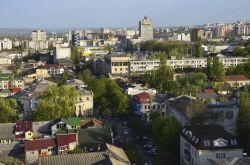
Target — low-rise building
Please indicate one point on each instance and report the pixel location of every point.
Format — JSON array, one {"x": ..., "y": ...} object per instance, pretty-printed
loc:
[
  {"x": 198, "y": 144},
  {"x": 144, "y": 103},
  {"x": 24, "y": 130},
  {"x": 65, "y": 124},
  {"x": 237, "y": 80},
  {"x": 142, "y": 66},
  {"x": 85, "y": 102},
  {"x": 48, "y": 147},
  {"x": 54, "y": 69},
  {"x": 40, "y": 147},
  {"x": 115, "y": 65},
  {"x": 8, "y": 82},
  {"x": 111, "y": 156},
  {"x": 66, "y": 143}
]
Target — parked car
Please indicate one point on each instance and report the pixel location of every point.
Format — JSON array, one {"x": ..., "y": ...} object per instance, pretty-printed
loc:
[
  {"x": 151, "y": 152},
  {"x": 125, "y": 132}
]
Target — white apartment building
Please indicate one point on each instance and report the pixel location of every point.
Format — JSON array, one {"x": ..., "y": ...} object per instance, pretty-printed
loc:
[
  {"x": 38, "y": 40},
  {"x": 62, "y": 52},
  {"x": 202, "y": 62},
  {"x": 38, "y": 35},
  {"x": 146, "y": 31},
  {"x": 199, "y": 145},
  {"x": 181, "y": 37},
  {"x": 5, "y": 44},
  {"x": 127, "y": 65},
  {"x": 142, "y": 66}
]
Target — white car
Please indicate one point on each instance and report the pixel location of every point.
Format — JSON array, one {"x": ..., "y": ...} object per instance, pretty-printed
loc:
[{"x": 125, "y": 132}]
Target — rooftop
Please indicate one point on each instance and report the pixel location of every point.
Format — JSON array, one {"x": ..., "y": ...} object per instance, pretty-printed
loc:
[
  {"x": 6, "y": 130},
  {"x": 23, "y": 126},
  {"x": 210, "y": 137},
  {"x": 39, "y": 144},
  {"x": 236, "y": 78},
  {"x": 114, "y": 155},
  {"x": 63, "y": 140}
]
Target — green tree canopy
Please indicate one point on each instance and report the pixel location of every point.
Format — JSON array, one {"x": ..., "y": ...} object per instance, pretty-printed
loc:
[
  {"x": 57, "y": 102},
  {"x": 243, "y": 122},
  {"x": 8, "y": 110}
]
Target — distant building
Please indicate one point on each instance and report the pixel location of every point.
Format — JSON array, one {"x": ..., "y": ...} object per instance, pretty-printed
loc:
[
  {"x": 199, "y": 144},
  {"x": 38, "y": 41},
  {"x": 38, "y": 35},
  {"x": 5, "y": 44},
  {"x": 116, "y": 65},
  {"x": 197, "y": 34},
  {"x": 181, "y": 37},
  {"x": 62, "y": 52},
  {"x": 146, "y": 31},
  {"x": 75, "y": 39}
]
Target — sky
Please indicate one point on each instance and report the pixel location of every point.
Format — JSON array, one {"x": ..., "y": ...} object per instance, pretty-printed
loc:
[{"x": 118, "y": 13}]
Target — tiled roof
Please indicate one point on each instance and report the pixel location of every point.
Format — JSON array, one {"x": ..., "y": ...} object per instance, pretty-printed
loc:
[
  {"x": 39, "y": 144},
  {"x": 236, "y": 78},
  {"x": 63, "y": 140},
  {"x": 143, "y": 97},
  {"x": 78, "y": 159},
  {"x": 210, "y": 137},
  {"x": 6, "y": 130},
  {"x": 113, "y": 154},
  {"x": 51, "y": 66},
  {"x": 23, "y": 126}
]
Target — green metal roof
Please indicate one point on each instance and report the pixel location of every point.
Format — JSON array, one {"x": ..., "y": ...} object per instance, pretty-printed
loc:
[{"x": 73, "y": 121}]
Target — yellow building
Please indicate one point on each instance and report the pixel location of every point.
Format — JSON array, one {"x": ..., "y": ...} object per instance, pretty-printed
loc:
[{"x": 42, "y": 73}]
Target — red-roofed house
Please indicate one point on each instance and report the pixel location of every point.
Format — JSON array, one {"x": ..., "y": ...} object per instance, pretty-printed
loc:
[
  {"x": 237, "y": 80},
  {"x": 142, "y": 103},
  {"x": 16, "y": 90},
  {"x": 40, "y": 147},
  {"x": 66, "y": 142},
  {"x": 24, "y": 130}
]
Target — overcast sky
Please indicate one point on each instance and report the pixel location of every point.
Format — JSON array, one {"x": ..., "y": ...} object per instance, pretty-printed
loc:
[{"x": 118, "y": 13}]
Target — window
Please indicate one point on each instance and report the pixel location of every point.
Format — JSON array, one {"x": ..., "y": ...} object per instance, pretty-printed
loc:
[
  {"x": 220, "y": 155},
  {"x": 87, "y": 98},
  {"x": 229, "y": 114}
]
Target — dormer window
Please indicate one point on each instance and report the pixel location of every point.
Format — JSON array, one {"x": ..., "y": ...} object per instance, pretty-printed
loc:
[{"x": 220, "y": 142}]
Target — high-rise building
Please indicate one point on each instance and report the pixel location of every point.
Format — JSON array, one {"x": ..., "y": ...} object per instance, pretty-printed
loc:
[
  {"x": 38, "y": 35},
  {"x": 38, "y": 40},
  {"x": 146, "y": 31},
  {"x": 76, "y": 38}
]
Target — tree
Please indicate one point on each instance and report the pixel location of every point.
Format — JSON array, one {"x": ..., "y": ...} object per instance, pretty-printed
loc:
[
  {"x": 108, "y": 96},
  {"x": 57, "y": 102},
  {"x": 243, "y": 122},
  {"x": 8, "y": 112},
  {"x": 209, "y": 68},
  {"x": 217, "y": 70},
  {"x": 75, "y": 57},
  {"x": 157, "y": 78},
  {"x": 198, "y": 49},
  {"x": 196, "y": 111},
  {"x": 166, "y": 132}
]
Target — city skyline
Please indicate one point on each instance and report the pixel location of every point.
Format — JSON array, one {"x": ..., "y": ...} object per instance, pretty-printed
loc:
[{"x": 116, "y": 13}]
